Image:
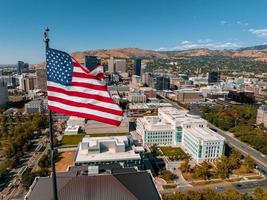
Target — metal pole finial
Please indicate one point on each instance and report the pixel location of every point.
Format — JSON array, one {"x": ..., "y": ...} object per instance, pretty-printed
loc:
[{"x": 46, "y": 37}]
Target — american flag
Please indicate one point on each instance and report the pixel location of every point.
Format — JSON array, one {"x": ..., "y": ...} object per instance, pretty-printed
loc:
[{"x": 76, "y": 91}]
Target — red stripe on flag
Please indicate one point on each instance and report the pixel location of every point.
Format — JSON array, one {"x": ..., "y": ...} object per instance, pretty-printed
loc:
[
  {"x": 83, "y": 115},
  {"x": 82, "y": 75},
  {"x": 86, "y": 105},
  {"x": 80, "y": 94},
  {"x": 90, "y": 86}
]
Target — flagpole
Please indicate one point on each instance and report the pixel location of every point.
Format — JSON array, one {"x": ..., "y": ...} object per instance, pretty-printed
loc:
[{"x": 51, "y": 135}]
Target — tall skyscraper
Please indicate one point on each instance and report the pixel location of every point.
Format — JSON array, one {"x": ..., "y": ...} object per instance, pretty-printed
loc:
[
  {"x": 111, "y": 65},
  {"x": 137, "y": 67},
  {"x": 213, "y": 77},
  {"x": 4, "y": 93},
  {"x": 120, "y": 65},
  {"x": 28, "y": 82},
  {"x": 41, "y": 78},
  {"x": 22, "y": 67},
  {"x": 91, "y": 62},
  {"x": 162, "y": 83}
]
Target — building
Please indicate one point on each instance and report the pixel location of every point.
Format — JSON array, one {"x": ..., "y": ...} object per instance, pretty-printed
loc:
[
  {"x": 137, "y": 66},
  {"x": 97, "y": 183},
  {"x": 241, "y": 96},
  {"x": 162, "y": 83},
  {"x": 91, "y": 62},
  {"x": 28, "y": 82},
  {"x": 177, "y": 127},
  {"x": 109, "y": 150},
  {"x": 200, "y": 142},
  {"x": 34, "y": 106},
  {"x": 120, "y": 65},
  {"x": 10, "y": 80},
  {"x": 213, "y": 77},
  {"x": 149, "y": 92},
  {"x": 188, "y": 96},
  {"x": 72, "y": 130},
  {"x": 137, "y": 98},
  {"x": 22, "y": 67},
  {"x": 146, "y": 78},
  {"x": 95, "y": 127},
  {"x": 262, "y": 115},
  {"x": 111, "y": 65},
  {"x": 4, "y": 93},
  {"x": 76, "y": 121},
  {"x": 199, "y": 80},
  {"x": 41, "y": 77}
]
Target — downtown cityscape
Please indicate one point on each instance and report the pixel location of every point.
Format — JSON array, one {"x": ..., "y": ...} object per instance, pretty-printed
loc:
[{"x": 124, "y": 113}]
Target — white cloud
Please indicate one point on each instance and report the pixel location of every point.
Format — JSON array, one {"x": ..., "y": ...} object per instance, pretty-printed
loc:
[
  {"x": 259, "y": 32},
  {"x": 202, "y": 43},
  {"x": 185, "y": 42},
  {"x": 233, "y": 23},
  {"x": 223, "y": 22}
]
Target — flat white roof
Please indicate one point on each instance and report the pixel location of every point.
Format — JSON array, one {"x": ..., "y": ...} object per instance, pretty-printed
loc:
[
  {"x": 83, "y": 156},
  {"x": 204, "y": 134},
  {"x": 72, "y": 128},
  {"x": 154, "y": 123}
]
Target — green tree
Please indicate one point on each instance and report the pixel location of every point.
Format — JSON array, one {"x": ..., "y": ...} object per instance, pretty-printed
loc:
[
  {"x": 232, "y": 194},
  {"x": 249, "y": 163},
  {"x": 193, "y": 195},
  {"x": 234, "y": 159},
  {"x": 222, "y": 167},
  {"x": 258, "y": 193},
  {"x": 202, "y": 170},
  {"x": 209, "y": 194},
  {"x": 185, "y": 166}
]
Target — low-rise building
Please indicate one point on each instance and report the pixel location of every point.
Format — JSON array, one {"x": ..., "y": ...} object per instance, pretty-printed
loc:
[
  {"x": 262, "y": 115},
  {"x": 34, "y": 106},
  {"x": 76, "y": 121},
  {"x": 99, "y": 182},
  {"x": 95, "y": 127},
  {"x": 108, "y": 150},
  {"x": 72, "y": 130},
  {"x": 137, "y": 98},
  {"x": 188, "y": 96},
  {"x": 174, "y": 127}
]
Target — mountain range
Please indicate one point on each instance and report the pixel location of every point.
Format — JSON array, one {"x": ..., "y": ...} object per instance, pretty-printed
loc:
[{"x": 258, "y": 53}]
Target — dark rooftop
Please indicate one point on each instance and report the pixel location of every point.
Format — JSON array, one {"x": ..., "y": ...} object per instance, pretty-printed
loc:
[{"x": 119, "y": 184}]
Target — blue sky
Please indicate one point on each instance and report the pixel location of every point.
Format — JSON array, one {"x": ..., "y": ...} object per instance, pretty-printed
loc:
[{"x": 149, "y": 24}]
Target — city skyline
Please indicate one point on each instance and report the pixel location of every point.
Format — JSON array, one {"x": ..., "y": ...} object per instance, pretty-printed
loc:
[{"x": 155, "y": 25}]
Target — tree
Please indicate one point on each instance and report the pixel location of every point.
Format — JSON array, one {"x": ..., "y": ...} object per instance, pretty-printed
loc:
[
  {"x": 209, "y": 194},
  {"x": 249, "y": 163},
  {"x": 185, "y": 166},
  {"x": 232, "y": 194},
  {"x": 234, "y": 159},
  {"x": 222, "y": 167},
  {"x": 258, "y": 193},
  {"x": 193, "y": 195},
  {"x": 202, "y": 170}
]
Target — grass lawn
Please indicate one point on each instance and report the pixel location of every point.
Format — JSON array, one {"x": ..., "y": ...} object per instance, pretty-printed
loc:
[
  {"x": 169, "y": 186},
  {"x": 167, "y": 175},
  {"x": 208, "y": 182},
  {"x": 71, "y": 139},
  {"x": 254, "y": 177},
  {"x": 174, "y": 153},
  {"x": 107, "y": 134},
  {"x": 242, "y": 171}
]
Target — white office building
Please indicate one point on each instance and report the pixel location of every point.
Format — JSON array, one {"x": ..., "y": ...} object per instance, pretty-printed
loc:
[
  {"x": 107, "y": 150},
  {"x": 174, "y": 127}
]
